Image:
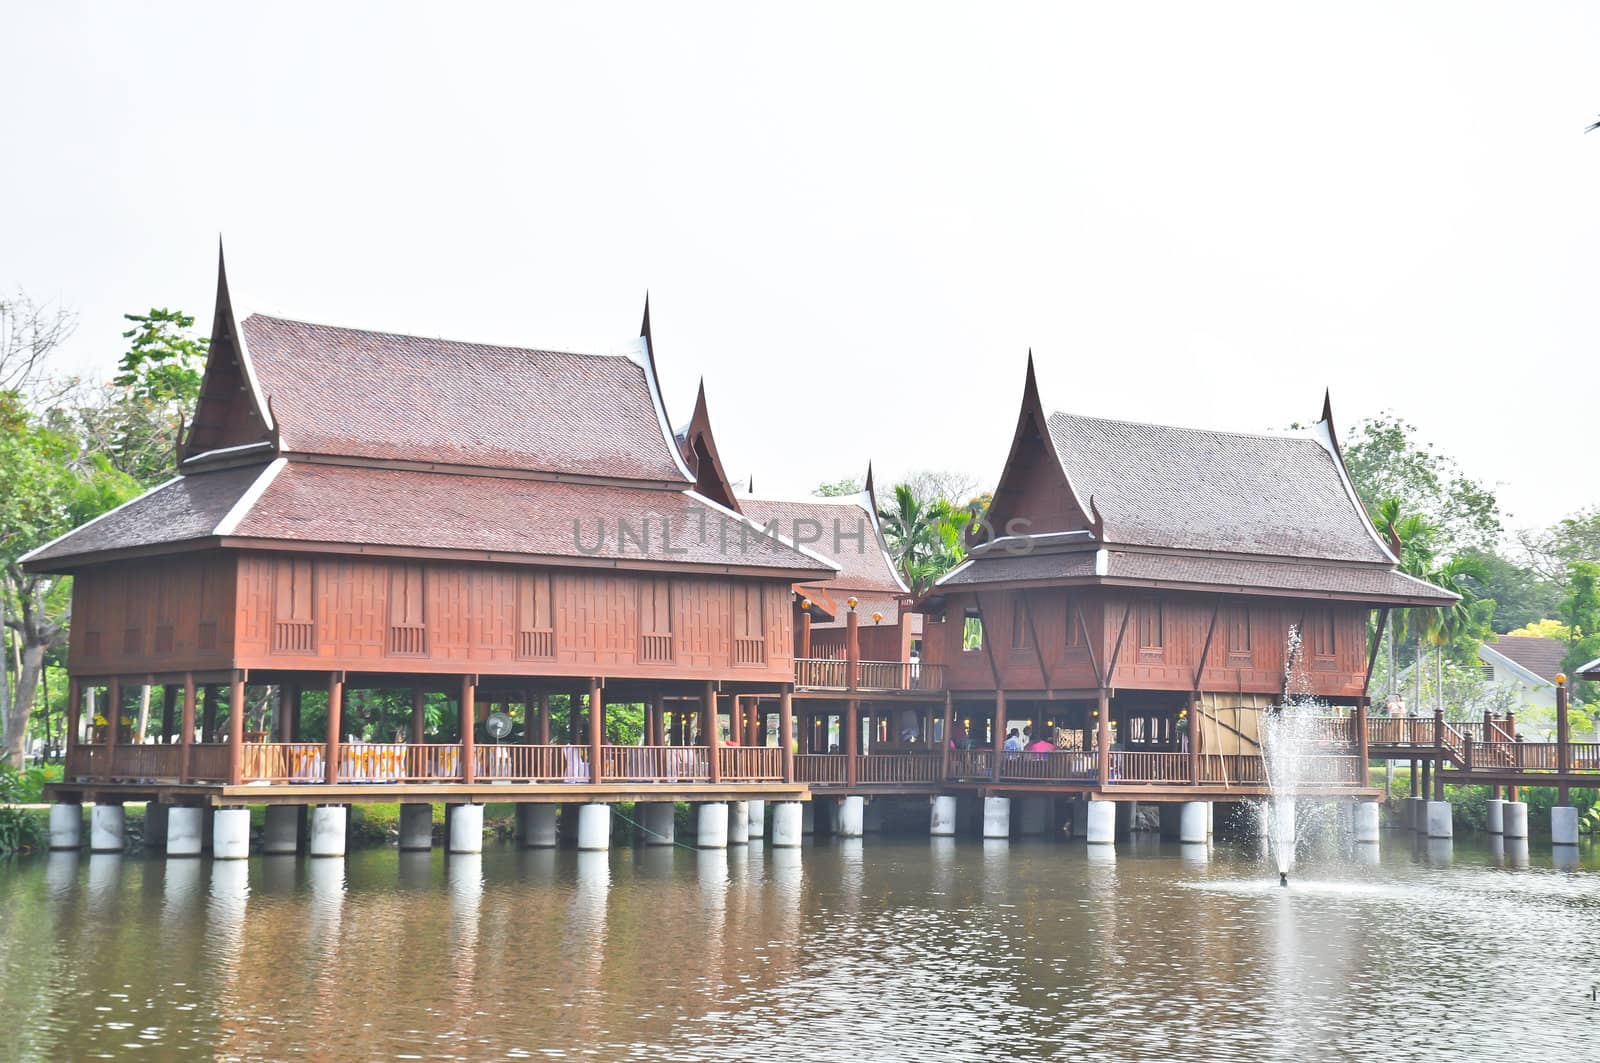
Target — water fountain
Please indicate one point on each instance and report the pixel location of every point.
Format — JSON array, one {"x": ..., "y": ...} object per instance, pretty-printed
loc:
[{"x": 1290, "y": 733}]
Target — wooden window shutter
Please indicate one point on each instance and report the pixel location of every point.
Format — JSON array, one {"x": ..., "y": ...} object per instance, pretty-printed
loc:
[
  {"x": 408, "y": 628},
  {"x": 536, "y": 637},
  {"x": 655, "y": 619},
  {"x": 294, "y": 627},
  {"x": 749, "y": 626}
]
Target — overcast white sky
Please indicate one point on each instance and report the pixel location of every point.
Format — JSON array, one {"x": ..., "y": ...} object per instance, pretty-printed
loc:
[{"x": 854, "y": 221}]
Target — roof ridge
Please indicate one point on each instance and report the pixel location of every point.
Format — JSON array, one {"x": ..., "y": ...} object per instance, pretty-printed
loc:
[
  {"x": 482, "y": 344},
  {"x": 1300, "y": 435}
]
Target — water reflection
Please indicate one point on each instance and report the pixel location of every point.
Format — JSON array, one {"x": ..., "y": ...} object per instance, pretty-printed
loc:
[{"x": 926, "y": 949}]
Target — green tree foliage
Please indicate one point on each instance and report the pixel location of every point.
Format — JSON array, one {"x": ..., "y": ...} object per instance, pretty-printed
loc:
[
  {"x": 58, "y": 469},
  {"x": 839, "y": 488},
  {"x": 1520, "y": 595},
  {"x": 1386, "y": 461},
  {"x": 925, "y": 537},
  {"x": 1573, "y": 538}
]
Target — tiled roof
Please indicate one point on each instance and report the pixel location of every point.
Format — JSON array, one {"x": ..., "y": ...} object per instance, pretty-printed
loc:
[
  {"x": 1191, "y": 489},
  {"x": 379, "y": 507},
  {"x": 181, "y": 510},
  {"x": 845, "y": 534},
  {"x": 1539, "y": 655},
  {"x": 1377, "y": 582},
  {"x": 354, "y": 393}
]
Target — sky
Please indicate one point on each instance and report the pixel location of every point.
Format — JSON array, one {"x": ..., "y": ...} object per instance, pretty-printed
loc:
[{"x": 854, "y": 221}]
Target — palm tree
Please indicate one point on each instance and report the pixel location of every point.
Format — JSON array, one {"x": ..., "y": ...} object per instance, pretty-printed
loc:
[{"x": 925, "y": 537}]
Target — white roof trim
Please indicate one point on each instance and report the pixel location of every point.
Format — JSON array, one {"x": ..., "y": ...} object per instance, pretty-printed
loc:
[
  {"x": 948, "y": 575},
  {"x": 251, "y": 496},
  {"x": 1322, "y": 434},
  {"x": 249, "y": 367},
  {"x": 1042, "y": 539},
  {"x": 762, "y": 528},
  {"x": 638, "y": 352},
  {"x": 1102, "y": 562},
  {"x": 114, "y": 509},
  {"x": 1501, "y": 659},
  {"x": 239, "y": 449}
]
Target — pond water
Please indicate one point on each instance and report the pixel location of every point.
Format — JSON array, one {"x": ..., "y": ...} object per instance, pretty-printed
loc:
[{"x": 892, "y": 948}]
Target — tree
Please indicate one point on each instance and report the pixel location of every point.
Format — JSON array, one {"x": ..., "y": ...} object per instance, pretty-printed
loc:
[
  {"x": 1521, "y": 595},
  {"x": 925, "y": 537},
  {"x": 839, "y": 488},
  {"x": 1544, "y": 629},
  {"x": 1573, "y": 538},
  {"x": 47, "y": 485},
  {"x": 137, "y": 420},
  {"x": 1387, "y": 462}
]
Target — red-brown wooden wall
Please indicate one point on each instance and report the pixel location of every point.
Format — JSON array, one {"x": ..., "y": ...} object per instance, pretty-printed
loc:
[
  {"x": 1247, "y": 651},
  {"x": 379, "y": 615}
]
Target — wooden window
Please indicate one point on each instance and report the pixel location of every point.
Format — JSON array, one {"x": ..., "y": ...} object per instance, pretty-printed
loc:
[
  {"x": 655, "y": 619},
  {"x": 293, "y": 628},
  {"x": 1323, "y": 641},
  {"x": 206, "y": 636},
  {"x": 536, "y": 637},
  {"x": 1074, "y": 625},
  {"x": 1019, "y": 624},
  {"x": 749, "y": 625},
  {"x": 1152, "y": 637},
  {"x": 971, "y": 633},
  {"x": 408, "y": 629},
  {"x": 132, "y": 641},
  {"x": 1237, "y": 620}
]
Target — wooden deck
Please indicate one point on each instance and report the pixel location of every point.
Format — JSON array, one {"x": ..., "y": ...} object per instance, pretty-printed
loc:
[{"x": 438, "y": 793}]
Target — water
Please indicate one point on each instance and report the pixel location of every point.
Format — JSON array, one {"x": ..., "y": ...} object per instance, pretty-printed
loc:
[{"x": 893, "y": 948}]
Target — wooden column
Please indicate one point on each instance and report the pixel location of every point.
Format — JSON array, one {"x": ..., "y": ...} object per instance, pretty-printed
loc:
[
  {"x": 597, "y": 724},
  {"x": 575, "y": 718},
  {"x": 469, "y": 729},
  {"x": 542, "y": 734},
  {"x": 713, "y": 736},
  {"x": 208, "y": 713},
  {"x": 945, "y": 735},
  {"x": 852, "y": 739},
  {"x": 852, "y": 648},
  {"x": 1361, "y": 741},
  {"x": 1438, "y": 754},
  {"x": 419, "y": 715},
  {"x": 236, "y": 729},
  {"x": 805, "y": 634},
  {"x": 1563, "y": 741},
  {"x": 113, "y": 720},
  {"x": 74, "y": 715},
  {"x": 1103, "y": 736},
  {"x": 335, "y": 712},
  {"x": 288, "y": 711},
  {"x": 658, "y": 722},
  {"x": 1194, "y": 738},
  {"x": 786, "y": 732},
  {"x": 169, "y": 713},
  {"x": 186, "y": 726},
  {"x": 999, "y": 732}
]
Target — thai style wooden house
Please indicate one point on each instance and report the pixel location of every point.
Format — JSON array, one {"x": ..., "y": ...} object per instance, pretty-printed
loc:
[
  {"x": 356, "y": 510},
  {"x": 860, "y": 682},
  {"x": 1139, "y": 595}
]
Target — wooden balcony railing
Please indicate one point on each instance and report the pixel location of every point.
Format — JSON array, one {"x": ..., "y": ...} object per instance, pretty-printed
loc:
[
  {"x": 892, "y": 768},
  {"x": 655, "y": 764},
  {"x": 1149, "y": 767},
  {"x": 1062, "y": 764},
  {"x": 820, "y": 768},
  {"x": 971, "y": 763},
  {"x": 819, "y": 674},
  {"x": 751, "y": 763},
  {"x": 147, "y": 763},
  {"x": 1400, "y": 731}
]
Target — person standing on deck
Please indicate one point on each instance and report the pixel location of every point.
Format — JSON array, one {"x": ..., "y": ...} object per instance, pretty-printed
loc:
[{"x": 1013, "y": 741}]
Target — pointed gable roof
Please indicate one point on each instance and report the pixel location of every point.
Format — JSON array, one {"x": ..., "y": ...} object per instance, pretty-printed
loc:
[
  {"x": 699, "y": 448},
  {"x": 231, "y": 412}
]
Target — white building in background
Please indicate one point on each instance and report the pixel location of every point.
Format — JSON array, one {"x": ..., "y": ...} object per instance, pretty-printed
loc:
[{"x": 1526, "y": 666}]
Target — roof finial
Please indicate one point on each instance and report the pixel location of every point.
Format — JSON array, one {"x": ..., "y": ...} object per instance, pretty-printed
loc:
[
  {"x": 1327, "y": 406},
  {"x": 649, "y": 340}
]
